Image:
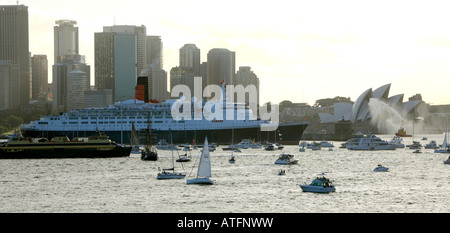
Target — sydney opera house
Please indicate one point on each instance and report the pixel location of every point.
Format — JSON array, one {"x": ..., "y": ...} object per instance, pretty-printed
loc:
[{"x": 386, "y": 113}]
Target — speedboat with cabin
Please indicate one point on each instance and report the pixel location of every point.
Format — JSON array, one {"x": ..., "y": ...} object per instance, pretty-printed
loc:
[
  {"x": 319, "y": 185},
  {"x": 397, "y": 141},
  {"x": 286, "y": 159},
  {"x": 270, "y": 146},
  {"x": 380, "y": 168},
  {"x": 431, "y": 145},
  {"x": 415, "y": 145}
]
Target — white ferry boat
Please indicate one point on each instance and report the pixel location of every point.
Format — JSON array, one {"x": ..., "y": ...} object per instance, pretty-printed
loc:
[
  {"x": 369, "y": 142},
  {"x": 116, "y": 121}
]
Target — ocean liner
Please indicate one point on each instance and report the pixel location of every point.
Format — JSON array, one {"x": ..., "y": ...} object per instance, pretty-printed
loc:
[{"x": 117, "y": 119}]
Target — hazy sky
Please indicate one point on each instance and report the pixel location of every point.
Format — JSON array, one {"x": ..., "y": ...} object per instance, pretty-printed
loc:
[{"x": 301, "y": 50}]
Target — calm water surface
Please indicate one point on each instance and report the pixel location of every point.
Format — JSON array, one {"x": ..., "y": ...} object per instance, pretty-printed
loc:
[{"x": 414, "y": 183}]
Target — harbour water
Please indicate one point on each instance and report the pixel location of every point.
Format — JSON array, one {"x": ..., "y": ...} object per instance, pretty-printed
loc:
[{"x": 414, "y": 183}]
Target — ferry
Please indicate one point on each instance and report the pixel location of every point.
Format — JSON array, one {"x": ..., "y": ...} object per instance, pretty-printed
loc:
[
  {"x": 117, "y": 120},
  {"x": 97, "y": 146}
]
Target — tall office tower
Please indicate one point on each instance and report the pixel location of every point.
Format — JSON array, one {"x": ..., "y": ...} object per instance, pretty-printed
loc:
[
  {"x": 120, "y": 51},
  {"x": 65, "y": 39},
  {"x": 190, "y": 58},
  {"x": 182, "y": 76},
  {"x": 157, "y": 87},
  {"x": 61, "y": 84},
  {"x": 39, "y": 77},
  {"x": 220, "y": 66},
  {"x": 14, "y": 48},
  {"x": 76, "y": 86},
  {"x": 245, "y": 76},
  {"x": 9, "y": 81},
  {"x": 154, "y": 53}
]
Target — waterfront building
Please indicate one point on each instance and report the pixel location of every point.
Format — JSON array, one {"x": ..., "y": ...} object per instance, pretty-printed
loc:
[
  {"x": 39, "y": 77},
  {"x": 15, "y": 49}
]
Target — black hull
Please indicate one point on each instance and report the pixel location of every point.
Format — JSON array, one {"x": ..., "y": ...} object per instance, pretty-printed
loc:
[
  {"x": 66, "y": 153},
  {"x": 290, "y": 135}
]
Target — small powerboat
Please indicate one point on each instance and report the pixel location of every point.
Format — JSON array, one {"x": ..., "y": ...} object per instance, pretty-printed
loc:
[
  {"x": 282, "y": 172},
  {"x": 380, "y": 168},
  {"x": 286, "y": 159},
  {"x": 319, "y": 185}
]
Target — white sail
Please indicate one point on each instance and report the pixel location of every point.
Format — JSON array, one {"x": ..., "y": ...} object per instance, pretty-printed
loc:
[
  {"x": 204, "y": 168},
  {"x": 444, "y": 144}
]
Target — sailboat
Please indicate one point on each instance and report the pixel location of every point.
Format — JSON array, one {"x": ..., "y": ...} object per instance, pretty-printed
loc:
[
  {"x": 134, "y": 141},
  {"x": 204, "y": 167},
  {"x": 149, "y": 152},
  {"x": 444, "y": 147},
  {"x": 166, "y": 174}
]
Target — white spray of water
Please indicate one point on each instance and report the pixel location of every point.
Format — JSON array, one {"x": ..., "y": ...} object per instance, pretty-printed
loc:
[{"x": 386, "y": 118}]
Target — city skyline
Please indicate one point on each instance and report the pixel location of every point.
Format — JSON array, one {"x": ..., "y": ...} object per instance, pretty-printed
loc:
[{"x": 300, "y": 50}]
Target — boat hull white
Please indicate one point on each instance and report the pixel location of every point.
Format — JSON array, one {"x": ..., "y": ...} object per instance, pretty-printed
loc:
[
  {"x": 284, "y": 162},
  {"x": 200, "y": 181},
  {"x": 166, "y": 176},
  {"x": 381, "y": 169},
  {"x": 317, "y": 189}
]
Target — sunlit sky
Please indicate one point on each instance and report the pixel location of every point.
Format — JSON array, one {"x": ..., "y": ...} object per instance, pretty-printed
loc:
[{"x": 300, "y": 50}]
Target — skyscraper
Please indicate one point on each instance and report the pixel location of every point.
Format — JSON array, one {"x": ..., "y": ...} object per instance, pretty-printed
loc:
[
  {"x": 120, "y": 55},
  {"x": 154, "y": 52},
  {"x": 220, "y": 66},
  {"x": 14, "y": 48},
  {"x": 245, "y": 76},
  {"x": 190, "y": 58},
  {"x": 9, "y": 79},
  {"x": 39, "y": 76},
  {"x": 65, "y": 39}
]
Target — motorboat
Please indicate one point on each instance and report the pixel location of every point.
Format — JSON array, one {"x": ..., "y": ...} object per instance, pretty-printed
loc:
[
  {"x": 414, "y": 145},
  {"x": 380, "y": 168},
  {"x": 249, "y": 144},
  {"x": 432, "y": 145},
  {"x": 270, "y": 146},
  {"x": 232, "y": 159},
  {"x": 397, "y": 141},
  {"x": 286, "y": 159},
  {"x": 319, "y": 185},
  {"x": 204, "y": 167},
  {"x": 163, "y": 145},
  {"x": 326, "y": 144},
  {"x": 447, "y": 161},
  {"x": 166, "y": 174},
  {"x": 279, "y": 146},
  {"x": 369, "y": 142},
  {"x": 184, "y": 158},
  {"x": 302, "y": 149}
]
